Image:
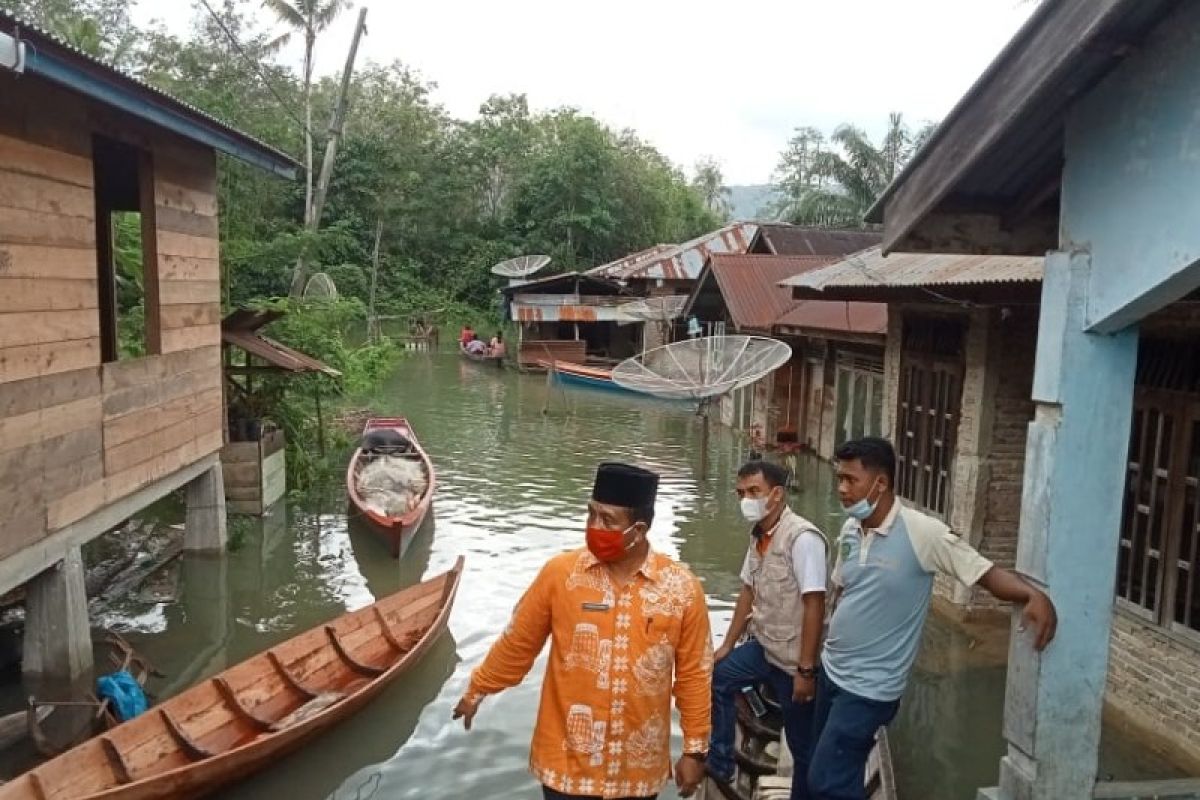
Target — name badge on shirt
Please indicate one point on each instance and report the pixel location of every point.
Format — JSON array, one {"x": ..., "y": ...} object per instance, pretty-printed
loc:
[{"x": 596, "y": 607}]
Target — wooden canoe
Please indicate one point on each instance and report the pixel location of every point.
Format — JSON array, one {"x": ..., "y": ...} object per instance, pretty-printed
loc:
[
  {"x": 243, "y": 719},
  {"x": 481, "y": 359},
  {"x": 397, "y": 532}
]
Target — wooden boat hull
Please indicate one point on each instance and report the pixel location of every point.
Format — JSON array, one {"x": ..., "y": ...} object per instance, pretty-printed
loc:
[
  {"x": 589, "y": 377},
  {"x": 396, "y": 532},
  {"x": 238, "y": 722},
  {"x": 478, "y": 359}
]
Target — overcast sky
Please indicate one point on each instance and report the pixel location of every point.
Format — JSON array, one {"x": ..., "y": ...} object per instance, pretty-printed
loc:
[{"x": 729, "y": 79}]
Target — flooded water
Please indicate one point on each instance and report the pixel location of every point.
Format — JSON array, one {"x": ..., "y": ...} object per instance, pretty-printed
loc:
[{"x": 512, "y": 486}]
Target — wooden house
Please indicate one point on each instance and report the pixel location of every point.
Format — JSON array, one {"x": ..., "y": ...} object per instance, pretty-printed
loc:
[
  {"x": 570, "y": 317},
  {"x": 106, "y": 404}
]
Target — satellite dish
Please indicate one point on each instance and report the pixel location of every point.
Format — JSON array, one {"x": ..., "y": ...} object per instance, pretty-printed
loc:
[
  {"x": 320, "y": 285},
  {"x": 655, "y": 309},
  {"x": 519, "y": 268},
  {"x": 702, "y": 369}
]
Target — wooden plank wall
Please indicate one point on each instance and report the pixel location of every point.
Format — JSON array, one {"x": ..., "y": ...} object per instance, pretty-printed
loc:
[{"x": 76, "y": 434}]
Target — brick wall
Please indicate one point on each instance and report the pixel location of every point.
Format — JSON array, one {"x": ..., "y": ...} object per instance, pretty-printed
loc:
[
  {"x": 1154, "y": 683},
  {"x": 990, "y": 455}
]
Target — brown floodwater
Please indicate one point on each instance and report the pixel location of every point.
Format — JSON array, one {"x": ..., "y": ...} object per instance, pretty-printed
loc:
[{"x": 513, "y": 481}]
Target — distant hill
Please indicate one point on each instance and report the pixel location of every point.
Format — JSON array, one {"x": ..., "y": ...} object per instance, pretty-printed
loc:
[{"x": 751, "y": 202}]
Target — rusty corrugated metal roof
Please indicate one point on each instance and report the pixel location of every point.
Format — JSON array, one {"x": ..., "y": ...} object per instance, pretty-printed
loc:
[
  {"x": 751, "y": 286},
  {"x": 782, "y": 239},
  {"x": 872, "y": 269},
  {"x": 682, "y": 261},
  {"x": 241, "y": 329}
]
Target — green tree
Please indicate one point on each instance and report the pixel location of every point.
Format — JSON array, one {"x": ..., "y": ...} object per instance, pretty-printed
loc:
[
  {"x": 102, "y": 28},
  {"x": 310, "y": 18},
  {"x": 833, "y": 183},
  {"x": 710, "y": 184}
]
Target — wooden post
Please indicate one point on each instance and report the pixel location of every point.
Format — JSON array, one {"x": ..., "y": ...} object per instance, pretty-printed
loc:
[
  {"x": 372, "y": 323},
  {"x": 320, "y": 422}
]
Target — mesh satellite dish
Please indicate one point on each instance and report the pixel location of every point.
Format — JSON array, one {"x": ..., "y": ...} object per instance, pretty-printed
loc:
[
  {"x": 655, "y": 309},
  {"x": 518, "y": 269},
  {"x": 702, "y": 369},
  {"x": 320, "y": 285}
]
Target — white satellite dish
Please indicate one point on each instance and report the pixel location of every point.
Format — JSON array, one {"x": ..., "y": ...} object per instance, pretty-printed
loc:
[
  {"x": 518, "y": 269},
  {"x": 655, "y": 309},
  {"x": 702, "y": 369},
  {"x": 320, "y": 285}
]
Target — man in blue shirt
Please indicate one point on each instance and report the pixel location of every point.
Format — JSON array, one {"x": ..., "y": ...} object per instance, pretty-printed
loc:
[{"x": 885, "y": 562}]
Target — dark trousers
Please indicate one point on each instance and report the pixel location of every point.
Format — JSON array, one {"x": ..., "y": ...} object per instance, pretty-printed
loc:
[
  {"x": 844, "y": 726},
  {"x": 746, "y": 666},
  {"x": 550, "y": 794}
]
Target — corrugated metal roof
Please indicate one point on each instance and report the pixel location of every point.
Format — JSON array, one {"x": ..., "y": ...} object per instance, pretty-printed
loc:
[
  {"x": 241, "y": 330},
  {"x": 621, "y": 264},
  {"x": 796, "y": 240},
  {"x": 872, "y": 269},
  {"x": 43, "y": 43},
  {"x": 756, "y": 299},
  {"x": 682, "y": 261},
  {"x": 566, "y": 283}
]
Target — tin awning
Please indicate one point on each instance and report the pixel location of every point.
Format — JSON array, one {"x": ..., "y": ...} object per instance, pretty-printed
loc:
[{"x": 241, "y": 329}]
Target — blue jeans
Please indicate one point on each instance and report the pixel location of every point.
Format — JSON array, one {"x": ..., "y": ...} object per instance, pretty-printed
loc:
[
  {"x": 844, "y": 728},
  {"x": 746, "y": 666}
]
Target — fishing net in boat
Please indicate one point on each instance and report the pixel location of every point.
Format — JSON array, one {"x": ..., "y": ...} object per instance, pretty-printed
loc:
[
  {"x": 703, "y": 368},
  {"x": 392, "y": 485}
]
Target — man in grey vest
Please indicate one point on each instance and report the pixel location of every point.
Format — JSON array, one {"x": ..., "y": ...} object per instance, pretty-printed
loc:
[{"x": 782, "y": 603}]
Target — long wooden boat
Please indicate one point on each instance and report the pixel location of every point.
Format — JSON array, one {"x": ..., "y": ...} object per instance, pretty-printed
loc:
[
  {"x": 582, "y": 375},
  {"x": 764, "y": 767},
  {"x": 396, "y": 531},
  {"x": 246, "y": 717},
  {"x": 480, "y": 359}
]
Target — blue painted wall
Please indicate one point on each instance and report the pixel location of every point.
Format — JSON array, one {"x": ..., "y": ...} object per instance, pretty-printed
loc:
[{"x": 1131, "y": 185}]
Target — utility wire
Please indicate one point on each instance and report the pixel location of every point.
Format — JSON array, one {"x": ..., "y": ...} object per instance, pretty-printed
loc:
[{"x": 256, "y": 67}]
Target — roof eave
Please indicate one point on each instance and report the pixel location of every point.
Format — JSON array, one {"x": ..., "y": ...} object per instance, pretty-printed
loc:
[{"x": 125, "y": 95}]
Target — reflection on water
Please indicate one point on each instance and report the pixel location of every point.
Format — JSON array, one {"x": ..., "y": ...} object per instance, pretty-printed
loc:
[{"x": 512, "y": 485}]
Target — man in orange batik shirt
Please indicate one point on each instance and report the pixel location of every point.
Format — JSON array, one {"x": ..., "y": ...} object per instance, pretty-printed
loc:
[{"x": 628, "y": 627}]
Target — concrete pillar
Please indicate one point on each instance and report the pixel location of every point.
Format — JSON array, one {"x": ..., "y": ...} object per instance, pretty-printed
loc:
[
  {"x": 58, "y": 638},
  {"x": 1070, "y": 522},
  {"x": 205, "y": 524}
]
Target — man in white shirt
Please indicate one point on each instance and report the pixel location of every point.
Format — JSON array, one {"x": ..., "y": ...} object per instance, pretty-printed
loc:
[{"x": 782, "y": 603}]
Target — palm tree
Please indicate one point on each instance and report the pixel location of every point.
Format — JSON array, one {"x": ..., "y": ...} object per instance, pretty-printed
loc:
[
  {"x": 834, "y": 184},
  {"x": 309, "y": 17},
  {"x": 709, "y": 183}
]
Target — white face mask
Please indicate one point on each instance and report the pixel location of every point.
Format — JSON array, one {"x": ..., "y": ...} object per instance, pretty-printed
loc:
[{"x": 753, "y": 508}]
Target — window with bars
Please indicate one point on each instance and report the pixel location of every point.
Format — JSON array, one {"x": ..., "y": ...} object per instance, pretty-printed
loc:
[
  {"x": 1158, "y": 568},
  {"x": 859, "y": 397},
  {"x": 928, "y": 408}
]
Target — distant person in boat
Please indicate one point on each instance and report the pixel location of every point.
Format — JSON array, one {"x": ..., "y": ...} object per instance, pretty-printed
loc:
[
  {"x": 496, "y": 346},
  {"x": 782, "y": 605},
  {"x": 465, "y": 336},
  {"x": 885, "y": 561},
  {"x": 476, "y": 347},
  {"x": 628, "y": 628}
]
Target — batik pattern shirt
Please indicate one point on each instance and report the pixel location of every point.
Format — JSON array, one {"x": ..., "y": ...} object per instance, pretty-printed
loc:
[{"x": 617, "y": 655}]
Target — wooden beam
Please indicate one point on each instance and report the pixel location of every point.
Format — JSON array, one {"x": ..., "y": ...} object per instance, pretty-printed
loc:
[
  {"x": 1020, "y": 78},
  {"x": 150, "y": 265}
]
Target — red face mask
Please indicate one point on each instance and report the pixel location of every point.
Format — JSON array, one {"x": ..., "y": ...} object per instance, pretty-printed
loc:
[{"x": 606, "y": 545}]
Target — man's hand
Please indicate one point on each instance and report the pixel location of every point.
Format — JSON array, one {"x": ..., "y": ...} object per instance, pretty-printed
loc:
[
  {"x": 804, "y": 689},
  {"x": 689, "y": 771},
  {"x": 1039, "y": 614},
  {"x": 466, "y": 709},
  {"x": 722, "y": 652}
]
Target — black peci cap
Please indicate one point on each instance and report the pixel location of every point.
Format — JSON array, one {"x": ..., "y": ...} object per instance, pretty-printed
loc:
[{"x": 625, "y": 485}]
